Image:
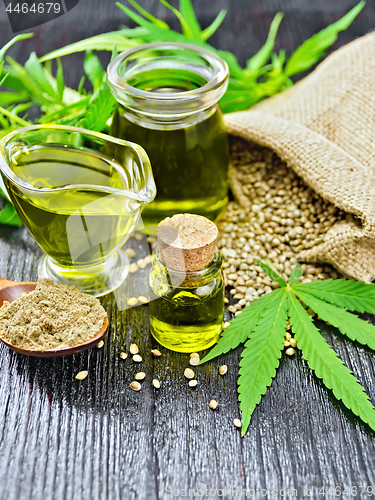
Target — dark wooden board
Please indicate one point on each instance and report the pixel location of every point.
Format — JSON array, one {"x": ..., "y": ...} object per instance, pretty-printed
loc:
[{"x": 96, "y": 439}]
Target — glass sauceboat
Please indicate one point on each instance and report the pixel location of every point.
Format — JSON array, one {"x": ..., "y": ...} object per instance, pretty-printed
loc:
[{"x": 80, "y": 194}]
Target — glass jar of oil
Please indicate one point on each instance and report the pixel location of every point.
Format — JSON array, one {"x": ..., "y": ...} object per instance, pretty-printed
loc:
[
  {"x": 168, "y": 95},
  {"x": 186, "y": 308}
]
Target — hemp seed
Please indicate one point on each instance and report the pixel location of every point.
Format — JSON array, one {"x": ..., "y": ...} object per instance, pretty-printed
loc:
[
  {"x": 135, "y": 386},
  {"x": 194, "y": 360},
  {"x": 140, "y": 376},
  {"x": 290, "y": 351},
  {"x": 156, "y": 383},
  {"x": 189, "y": 373},
  {"x": 223, "y": 369},
  {"x": 82, "y": 375},
  {"x": 293, "y": 342},
  {"x": 130, "y": 252},
  {"x": 137, "y": 358},
  {"x": 213, "y": 404},
  {"x": 100, "y": 344},
  {"x": 156, "y": 352},
  {"x": 193, "y": 383},
  {"x": 123, "y": 355},
  {"x": 134, "y": 349},
  {"x": 237, "y": 422},
  {"x": 133, "y": 268}
]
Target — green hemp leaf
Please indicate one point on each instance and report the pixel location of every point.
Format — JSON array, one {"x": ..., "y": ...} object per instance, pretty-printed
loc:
[
  {"x": 266, "y": 73},
  {"x": 262, "y": 328}
]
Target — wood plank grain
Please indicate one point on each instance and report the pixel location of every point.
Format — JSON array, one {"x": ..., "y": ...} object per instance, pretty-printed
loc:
[{"x": 96, "y": 439}]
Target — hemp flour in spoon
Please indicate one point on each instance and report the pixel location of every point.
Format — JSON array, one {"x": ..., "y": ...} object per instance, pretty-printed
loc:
[{"x": 52, "y": 316}]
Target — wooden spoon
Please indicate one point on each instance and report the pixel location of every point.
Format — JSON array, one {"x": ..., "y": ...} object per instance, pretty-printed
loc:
[{"x": 11, "y": 290}]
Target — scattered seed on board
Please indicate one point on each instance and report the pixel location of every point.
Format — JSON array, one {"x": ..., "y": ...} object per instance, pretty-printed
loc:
[
  {"x": 156, "y": 352},
  {"x": 225, "y": 325},
  {"x": 237, "y": 422},
  {"x": 82, "y": 375},
  {"x": 193, "y": 383},
  {"x": 194, "y": 360},
  {"x": 133, "y": 301},
  {"x": 142, "y": 299},
  {"x": 189, "y": 373},
  {"x": 123, "y": 355},
  {"x": 194, "y": 355},
  {"x": 133, "y": 268},
  {"x": 288, "y": 336},
  {"x": 223, "y": 369},
  {"x": 100, "y": 344},
  {"x": 137, "y": 358},
  {"x": 138, "y": 236},
  {"x": 141, "y": 263},
  {"x": 156, "y": 383},
  {"x": 134, "y": 349},
  {"x": 130, "y": 252},
  {"x": 293, "y": 342},
  {"x": 290, "y": 351},
  {"x": 286, "y": 343},
  {"x": 213, "y": 404},
  {"x": 140, "y": 376},
  {"x": 136, "y": 386}
]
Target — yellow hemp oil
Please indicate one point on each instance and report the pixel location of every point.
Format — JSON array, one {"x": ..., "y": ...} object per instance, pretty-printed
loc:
[
  {"x": 190, "y": 165},
  {"x": 55, "y": 217}
]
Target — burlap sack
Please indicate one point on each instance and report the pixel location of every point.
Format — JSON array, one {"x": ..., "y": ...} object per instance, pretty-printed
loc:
[{"x": 324, "y": 128}]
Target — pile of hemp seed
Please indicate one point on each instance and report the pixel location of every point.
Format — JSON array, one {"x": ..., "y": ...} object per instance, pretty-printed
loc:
[{"x": 283, "y": 218}]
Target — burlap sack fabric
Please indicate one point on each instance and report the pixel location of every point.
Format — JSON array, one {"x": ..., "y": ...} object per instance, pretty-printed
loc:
[{"x": 324, "y": 128}]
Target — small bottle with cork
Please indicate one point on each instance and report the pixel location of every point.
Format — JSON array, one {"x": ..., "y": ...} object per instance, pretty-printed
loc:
[{"x": 186, "y": 284}]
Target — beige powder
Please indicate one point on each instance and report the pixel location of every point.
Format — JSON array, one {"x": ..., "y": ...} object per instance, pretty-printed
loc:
[{"x": 50, "y": 317}]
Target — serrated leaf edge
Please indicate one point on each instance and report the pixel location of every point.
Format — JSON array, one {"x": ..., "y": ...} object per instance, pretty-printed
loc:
[
  {"x": 327, "y": 377},
  {"x": 282, "y": 306}
]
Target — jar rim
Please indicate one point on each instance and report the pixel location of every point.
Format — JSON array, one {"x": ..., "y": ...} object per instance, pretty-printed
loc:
[
  {"x": 221, "y": 73},
  {"x": 129, "y": 95}
]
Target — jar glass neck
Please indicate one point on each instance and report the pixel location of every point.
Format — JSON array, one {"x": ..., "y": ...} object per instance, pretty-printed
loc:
[
  {"x": 160, "y": 121},
  {"x": 189, "y": 278},
  {"x": 168, "y": 83}
]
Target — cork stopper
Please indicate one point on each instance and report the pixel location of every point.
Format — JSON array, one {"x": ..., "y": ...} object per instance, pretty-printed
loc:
[{"x": 187, "y": 242}]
